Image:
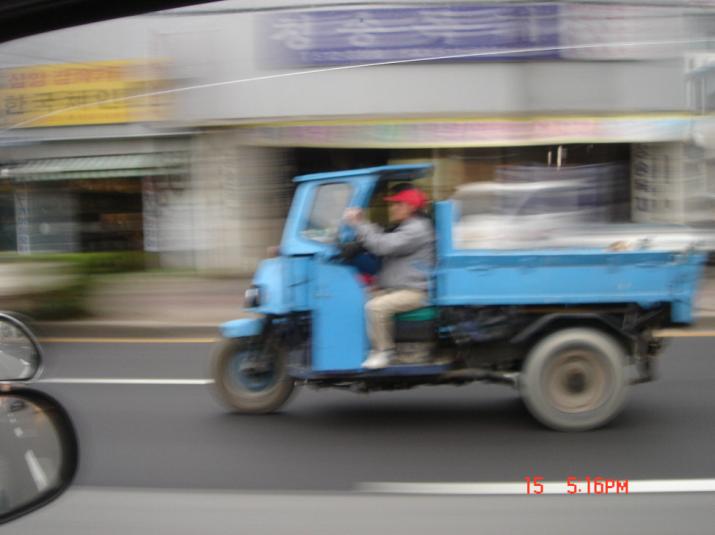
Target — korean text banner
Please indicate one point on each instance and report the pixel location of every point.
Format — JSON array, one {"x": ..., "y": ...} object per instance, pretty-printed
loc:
[
  {"x": 465, "y": 33},
  {"x": 102, "y": 92}
]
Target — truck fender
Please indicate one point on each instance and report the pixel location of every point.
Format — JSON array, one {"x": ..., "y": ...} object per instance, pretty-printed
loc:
[
  {"x": 544, "y": 322},
  {"x": 242, "y": 328}
]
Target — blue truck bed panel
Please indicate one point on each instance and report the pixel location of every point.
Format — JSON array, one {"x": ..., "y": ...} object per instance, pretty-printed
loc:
[{"x": 566, "y": 276}]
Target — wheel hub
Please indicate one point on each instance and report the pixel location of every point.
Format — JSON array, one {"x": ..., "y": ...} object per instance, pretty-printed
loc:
[
  {"x": 576, "y": 381},
  {"x": 247, "y": 373}
]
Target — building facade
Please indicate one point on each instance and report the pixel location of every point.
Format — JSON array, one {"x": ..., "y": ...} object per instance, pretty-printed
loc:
[{"x": 242, "y": 99}]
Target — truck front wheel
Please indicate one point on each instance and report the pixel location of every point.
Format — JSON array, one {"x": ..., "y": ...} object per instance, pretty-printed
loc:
[
  {"x": 574, "y": 379},
  {"x": 250, "y": 379}
]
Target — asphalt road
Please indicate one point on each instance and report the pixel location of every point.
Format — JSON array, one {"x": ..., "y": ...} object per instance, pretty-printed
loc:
[
  {"x": 159, "y": 441},
  {"x": 180, "y": 437}
]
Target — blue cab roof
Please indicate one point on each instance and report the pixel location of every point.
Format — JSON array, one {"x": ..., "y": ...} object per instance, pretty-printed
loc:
[{"x": 395, "y": 172}]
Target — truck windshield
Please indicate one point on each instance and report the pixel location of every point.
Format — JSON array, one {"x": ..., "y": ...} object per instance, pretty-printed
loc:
[{"x": 330, "y": 202}]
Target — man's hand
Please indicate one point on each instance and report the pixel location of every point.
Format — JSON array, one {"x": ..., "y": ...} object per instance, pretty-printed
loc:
[{"x": 353, "y": 216}]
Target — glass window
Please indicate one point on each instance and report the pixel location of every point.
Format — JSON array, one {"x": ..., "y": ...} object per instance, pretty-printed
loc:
[{"x": 330, "y": 203}]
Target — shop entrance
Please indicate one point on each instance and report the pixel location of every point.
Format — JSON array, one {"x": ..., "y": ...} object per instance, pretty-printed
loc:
[{"x": 109, "y": 214}]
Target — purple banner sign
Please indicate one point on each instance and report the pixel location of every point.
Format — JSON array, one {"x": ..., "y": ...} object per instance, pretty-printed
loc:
[{"x": 456, "y": 33}]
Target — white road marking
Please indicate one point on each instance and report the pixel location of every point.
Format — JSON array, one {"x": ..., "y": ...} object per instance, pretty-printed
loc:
[
  {"x": 18, "y": 432},
  {"x": 549, "y": 487},
  {"x": 38, "y": 474},
  {"x": 124, "y": 381}
]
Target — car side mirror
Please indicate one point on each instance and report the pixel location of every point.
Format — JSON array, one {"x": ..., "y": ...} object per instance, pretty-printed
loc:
[
  {"x": 38, "y": 451},
  {"x": 20, "y": 356}
]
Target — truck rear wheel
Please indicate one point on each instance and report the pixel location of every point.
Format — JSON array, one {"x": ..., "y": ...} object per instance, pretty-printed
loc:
[
  {"x": 250, "y": 379},
  {"x": 574, "y": 379}
]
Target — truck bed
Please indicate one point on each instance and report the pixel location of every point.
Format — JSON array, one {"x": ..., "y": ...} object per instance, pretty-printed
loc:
[{"x": 563, "y": 276}]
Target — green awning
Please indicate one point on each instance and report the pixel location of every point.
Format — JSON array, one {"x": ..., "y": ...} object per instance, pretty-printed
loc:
[{"x": 87, "y": 167}]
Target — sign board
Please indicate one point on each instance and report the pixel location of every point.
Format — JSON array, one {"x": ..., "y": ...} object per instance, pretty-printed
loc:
[
  {"x": 474, "y": 32},
  {"x": 102, "y": 92},
  {"x": 482, "y": 32}
]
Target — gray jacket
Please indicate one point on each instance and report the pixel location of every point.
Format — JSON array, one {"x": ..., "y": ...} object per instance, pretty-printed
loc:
[{"x": 407, "y": 252}]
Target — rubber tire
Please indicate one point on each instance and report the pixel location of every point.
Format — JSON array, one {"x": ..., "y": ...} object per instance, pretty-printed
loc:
[
  {"x": 241, "y": 400},
  {"x": 532, "y": 388}
]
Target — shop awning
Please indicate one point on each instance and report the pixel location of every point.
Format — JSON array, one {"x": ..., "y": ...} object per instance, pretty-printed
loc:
[{"x": 89, "y": 167}]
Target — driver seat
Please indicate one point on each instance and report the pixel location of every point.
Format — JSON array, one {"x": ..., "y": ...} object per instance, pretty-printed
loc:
[{"x": 417, "y": 325}]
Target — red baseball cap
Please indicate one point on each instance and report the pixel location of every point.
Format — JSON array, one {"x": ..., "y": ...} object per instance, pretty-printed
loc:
[{"x": 414, "y": 197}]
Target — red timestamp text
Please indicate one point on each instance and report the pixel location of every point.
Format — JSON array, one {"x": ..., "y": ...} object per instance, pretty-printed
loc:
[{"x": 576, "y": 485}]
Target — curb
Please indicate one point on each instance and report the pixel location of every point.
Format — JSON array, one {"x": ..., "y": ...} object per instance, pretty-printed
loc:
[
  {"x": 702, "y": 323},
  {"x": 123, "y": 330}
]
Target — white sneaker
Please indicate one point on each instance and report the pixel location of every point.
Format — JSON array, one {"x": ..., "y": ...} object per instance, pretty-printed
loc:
[{"x": 377, "y": 359}]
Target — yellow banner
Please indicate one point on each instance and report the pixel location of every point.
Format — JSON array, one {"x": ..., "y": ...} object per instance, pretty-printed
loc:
[{"x": 102, "y": 92}]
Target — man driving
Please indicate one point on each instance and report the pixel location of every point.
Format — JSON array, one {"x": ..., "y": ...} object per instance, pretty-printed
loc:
[{"x": 407, "y": 254}]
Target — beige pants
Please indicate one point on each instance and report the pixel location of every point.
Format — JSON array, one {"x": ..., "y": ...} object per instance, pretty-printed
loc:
[{"x": 381, "y": 308}]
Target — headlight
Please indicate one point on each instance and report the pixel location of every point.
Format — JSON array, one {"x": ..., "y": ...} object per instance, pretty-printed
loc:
[{"x": 252, "y": 297}]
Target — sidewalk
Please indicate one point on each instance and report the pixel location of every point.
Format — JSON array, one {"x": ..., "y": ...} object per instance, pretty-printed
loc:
[
  {"x": 156, "y": 305},
  {"x": 171, "y": 305}
]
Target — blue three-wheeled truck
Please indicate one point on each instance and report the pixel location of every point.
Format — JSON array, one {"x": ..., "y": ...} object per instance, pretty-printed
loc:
[{"x": 570, "y": 328}]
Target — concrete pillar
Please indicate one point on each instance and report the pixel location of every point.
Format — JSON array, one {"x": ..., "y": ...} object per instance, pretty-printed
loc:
[{"x": 240, "y": 199}]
